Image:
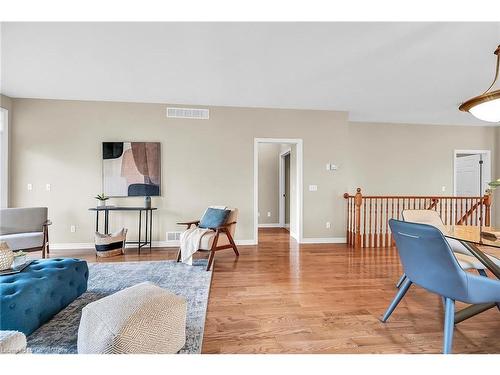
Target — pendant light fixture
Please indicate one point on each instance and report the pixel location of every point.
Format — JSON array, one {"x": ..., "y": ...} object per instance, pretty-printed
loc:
[{"x": 486, "y": 106}]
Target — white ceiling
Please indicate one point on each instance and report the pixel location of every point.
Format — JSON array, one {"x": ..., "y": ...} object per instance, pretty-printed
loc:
[{"x": 381, "y": 72}]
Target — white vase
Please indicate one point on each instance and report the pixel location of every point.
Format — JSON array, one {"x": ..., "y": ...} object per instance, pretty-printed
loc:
[{"x": 6, "y": 256}]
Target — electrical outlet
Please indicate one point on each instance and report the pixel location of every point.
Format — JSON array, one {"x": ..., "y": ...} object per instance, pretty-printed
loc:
[
  {"x": 328, "y": 225},
  {"x": 328, "y": 166},
  {"x": 268, "y": 214},
  {"x": 30, "y": 187},
  {"x": 313, "y": 187},
  {"x": 72, "y": 228},
  {"x": 47, "y": 187},
  {"x": 443, "y": 188}
]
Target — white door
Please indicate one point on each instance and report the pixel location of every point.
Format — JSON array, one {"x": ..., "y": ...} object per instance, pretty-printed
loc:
[{"x": 467, "y": 176}]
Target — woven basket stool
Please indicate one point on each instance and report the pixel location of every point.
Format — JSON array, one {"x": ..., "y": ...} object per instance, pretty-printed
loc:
[{"x": 142, "y": 319}]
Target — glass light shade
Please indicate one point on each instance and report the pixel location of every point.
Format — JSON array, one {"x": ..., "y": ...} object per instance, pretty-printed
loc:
[{"x": 487, "y": 111}]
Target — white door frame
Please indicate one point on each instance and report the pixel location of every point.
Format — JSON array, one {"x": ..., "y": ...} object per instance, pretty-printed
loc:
[
  {"x": 299, "y": 165},
  {"x": 4, "y": 178},
  {"x": 281, "y": 191},
  {"x": 486, "y": 165}
]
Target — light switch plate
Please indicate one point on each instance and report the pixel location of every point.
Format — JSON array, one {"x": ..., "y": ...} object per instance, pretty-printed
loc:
[
  {"x": 30, "y": 187},
  {"x": 313, "y": 187},
  {"x": 47, "y": 187},
  {"x": 72, "y": 229}
]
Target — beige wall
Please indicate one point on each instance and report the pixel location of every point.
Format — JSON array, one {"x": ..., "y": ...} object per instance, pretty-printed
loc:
[
  {"x": 269, "y": 157},
  {"x": 208, "y": 162},
  {"x": 204, "y": 162},
  {"x": 411, "y": 159}
]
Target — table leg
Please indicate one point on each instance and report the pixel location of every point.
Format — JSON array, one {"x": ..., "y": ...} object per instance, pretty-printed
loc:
[
  {"x": 97, "y": 221},
  {"x": 106, "y": 222},
  {"x": 147, "y": 223},
  {"x": 472, "y": 310},
  {"x": 140, "y": 222},
  {"x": 150, "y": 229}
]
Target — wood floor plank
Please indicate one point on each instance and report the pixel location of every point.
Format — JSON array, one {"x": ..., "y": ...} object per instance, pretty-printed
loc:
[{"x": 279, "y": 297}]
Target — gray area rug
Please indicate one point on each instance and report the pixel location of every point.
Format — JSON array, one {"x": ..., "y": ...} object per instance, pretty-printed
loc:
[{"x": 59, "y": 335}]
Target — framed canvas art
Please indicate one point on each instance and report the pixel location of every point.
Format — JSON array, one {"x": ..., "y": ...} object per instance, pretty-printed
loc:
[{"x": 131, "y": 169}]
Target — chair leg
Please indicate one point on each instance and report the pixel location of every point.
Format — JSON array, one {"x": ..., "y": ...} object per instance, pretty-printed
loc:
[
  {"x": 400, "y": 281},
  {"x": 231, "y": 241},
  {"x": 449, "y": 325},
  {"x": 210, "y": 259},
  {"x": 179, "y": 255},
  {"x": 399, "y": 296},
  {"x": 482, "y": 273}
]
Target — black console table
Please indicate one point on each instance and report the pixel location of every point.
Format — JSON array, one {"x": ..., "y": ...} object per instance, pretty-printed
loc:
[{"x": 149, "y": 222}]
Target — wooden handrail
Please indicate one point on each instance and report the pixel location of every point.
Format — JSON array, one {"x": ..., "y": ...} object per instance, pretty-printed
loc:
[{"x": 368, "y": 215}]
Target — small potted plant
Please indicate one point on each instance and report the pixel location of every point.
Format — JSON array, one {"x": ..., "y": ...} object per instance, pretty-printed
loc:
[{"x": 102, "y": 199}]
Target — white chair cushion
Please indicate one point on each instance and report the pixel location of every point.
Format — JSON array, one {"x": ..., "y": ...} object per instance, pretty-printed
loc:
[
  {"x": 143, "y": 319},
  {"x": 21, "y": 241},
  {"x": 208, "y": 239}
]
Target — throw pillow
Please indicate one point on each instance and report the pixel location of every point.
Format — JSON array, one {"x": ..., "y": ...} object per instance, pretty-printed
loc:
[{"x": 214, "y": 218}]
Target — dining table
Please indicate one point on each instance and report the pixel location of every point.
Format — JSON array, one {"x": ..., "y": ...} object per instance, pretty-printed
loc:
[{"x": 482, "y": 242}]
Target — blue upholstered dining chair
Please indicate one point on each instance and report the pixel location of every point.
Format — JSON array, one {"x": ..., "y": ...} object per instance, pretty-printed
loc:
[
  {"x": 465, "y": 258},
  {"x": 429, "y": 262}
]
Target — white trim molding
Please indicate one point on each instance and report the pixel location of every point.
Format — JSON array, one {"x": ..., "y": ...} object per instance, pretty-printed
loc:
[
  {"x": 4, "y": 158},
  {"x": 155, "y": 244},
  {"x": 324, "y": 240},
  {"x": 270, "y": 225}
]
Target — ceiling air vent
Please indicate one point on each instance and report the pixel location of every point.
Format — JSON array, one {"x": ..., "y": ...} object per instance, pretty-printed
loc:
[{"x": 192, "y": 113}]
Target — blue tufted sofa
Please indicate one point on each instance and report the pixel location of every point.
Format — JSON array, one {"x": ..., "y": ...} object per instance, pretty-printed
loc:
[{"x": 30, "y": 298}]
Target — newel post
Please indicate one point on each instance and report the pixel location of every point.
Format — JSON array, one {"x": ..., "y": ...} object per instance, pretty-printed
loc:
[
  {"x": 358, "y": 200},
  {"x": 487, "y": 209}
]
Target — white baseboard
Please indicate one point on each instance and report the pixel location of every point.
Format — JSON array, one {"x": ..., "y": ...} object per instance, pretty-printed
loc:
[
  {"x": 324, "y": 240},
  {"x": 270, "y": 225},
  {"x": 90, "y": 245}
]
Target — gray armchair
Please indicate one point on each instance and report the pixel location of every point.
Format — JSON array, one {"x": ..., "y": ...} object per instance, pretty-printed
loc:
[{"x": 25, "y": 229}]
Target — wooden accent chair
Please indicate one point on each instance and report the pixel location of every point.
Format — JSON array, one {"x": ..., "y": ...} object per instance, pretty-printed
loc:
[{"x": 217, "y": 239}]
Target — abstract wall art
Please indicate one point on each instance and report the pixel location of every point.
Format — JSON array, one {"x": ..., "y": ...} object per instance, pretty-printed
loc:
[{"x": 131, "y": 169}]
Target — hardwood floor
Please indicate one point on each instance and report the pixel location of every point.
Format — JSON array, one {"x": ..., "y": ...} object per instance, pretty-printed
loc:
[{"x": 279, "y": 297}]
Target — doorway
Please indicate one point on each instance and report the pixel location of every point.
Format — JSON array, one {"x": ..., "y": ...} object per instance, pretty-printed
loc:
[
  {"x": 285, "y": 189},
  {"x": 284, "y": 210},
  {"x": 472, "y": 172}
]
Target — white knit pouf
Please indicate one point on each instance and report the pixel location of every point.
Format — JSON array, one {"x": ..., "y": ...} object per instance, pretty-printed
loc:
[
  {"x": 141, "y": 319},
  {"x": 12, "y": 342}
]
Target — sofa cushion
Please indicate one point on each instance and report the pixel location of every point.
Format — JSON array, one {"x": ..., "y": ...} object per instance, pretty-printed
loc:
[
  {"x": 22, "y": 241},
  {"x": 30, "y": 298},
  {"x": 214, "y": 218}
]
